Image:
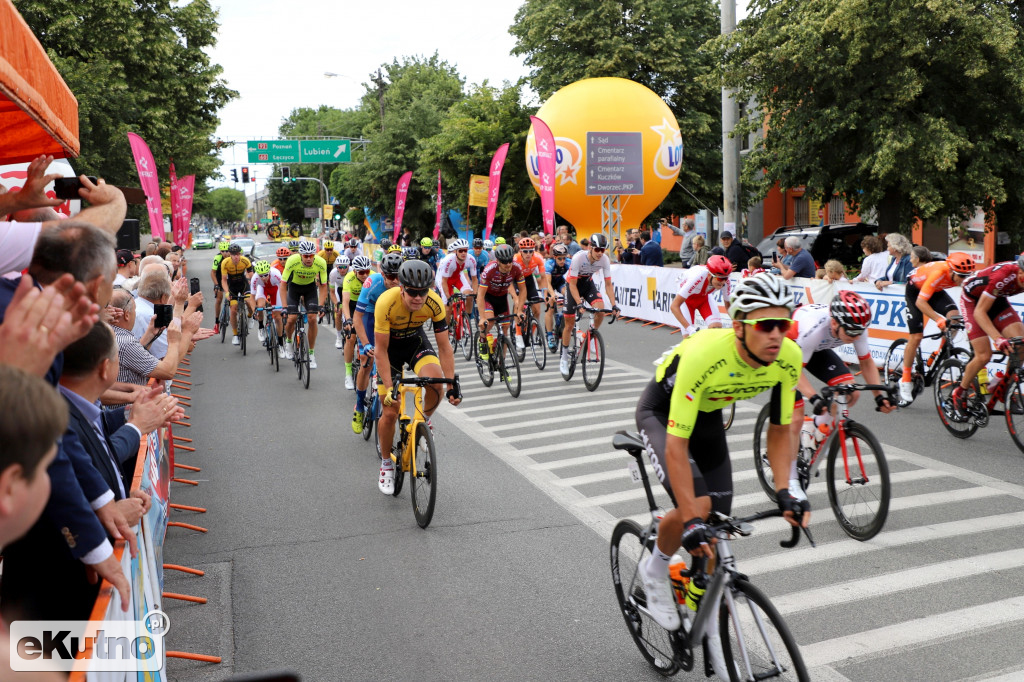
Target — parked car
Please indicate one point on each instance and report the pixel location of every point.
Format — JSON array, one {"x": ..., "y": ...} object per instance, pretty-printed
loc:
[
  {"x": 248, "y": 246},
  {"x": 266, "y": 251},
  {"x": 202, "y": 241},
  {"x": 824, "y": 242}
]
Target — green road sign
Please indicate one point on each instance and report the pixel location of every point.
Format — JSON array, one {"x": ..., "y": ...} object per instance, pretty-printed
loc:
[
  {"x": 273, "y": 151},
  {"x": 265, "y": 221},
  {"x": 325, "y": 151}
]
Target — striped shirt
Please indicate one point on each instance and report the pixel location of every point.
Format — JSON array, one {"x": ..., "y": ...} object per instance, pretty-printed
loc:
[{"x": 137, "y": 363}]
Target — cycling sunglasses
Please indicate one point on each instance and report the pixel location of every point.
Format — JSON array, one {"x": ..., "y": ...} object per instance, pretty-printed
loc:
[
  {"x": 525, "y": 251},
  {"x": 462, "y": 251},
  {"x": 362, "y": 272},
  {"x": 853, "y": 333},
  {"x": 770, "y": 324},
  {"x": 390, "y": 278},
  {"x": 416, "y": 293},
  {"x": 598, "y": 250}
]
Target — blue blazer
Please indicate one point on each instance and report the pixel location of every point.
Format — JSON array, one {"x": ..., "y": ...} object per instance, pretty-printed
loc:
[{"x": 122, "y": 440}]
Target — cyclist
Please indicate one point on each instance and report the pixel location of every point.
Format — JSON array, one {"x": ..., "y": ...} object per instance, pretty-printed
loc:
[
  {"x": 482, "y": 257},
  {"x": 222, "y": 247},
  {"x": 304, "y": 281},
  {"x": 556, "y": 268},
  {"x": 400, "y": 341},
  {"x": 350, "y": 290},
  {"x": 580, "y": 287},
  {"x": 428, "y": 253},
  {"x": 335, "y": 281},
  {"x": 282, "y": 253},
  {"x": 328, "y": 253},
  {"x": 373, "y": 287},
  {"x": 680, "y": 422},
  {"x": 532, "y": 265},
  {"x": 695, "y": 290},
  {"x": 235, "y": 281},
  {"x": 488, "y": 246},
  {"x": 926, "y": 296},
  {"x": 988, "y": 315},
  {"x": 410, "y": 253},
  {"x": 456, "y": 271},
  {"x": 378, "y": 254},
  {"x": 264, "y": 284},
  {"x": 492, "y": 294},
  {"x": 352, "y": 248}
]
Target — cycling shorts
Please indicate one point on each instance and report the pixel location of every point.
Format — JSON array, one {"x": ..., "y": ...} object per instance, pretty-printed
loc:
[
  {"x": 588, "y": 292},
  {"x": 826, "y": 366},
  {"x": 940, "y": 303},
  {"x": 709, "y": 453},
  {"x": 496, "y": 304},
  {"x": 699, "y": 304},
  {"x": 240, "y": 286},
  {"x": 306, "y": 293},
  {"x": 413, "y": 351},
  {"x": 531, "y": 288},
  {"x": 1001, "y": 313}
]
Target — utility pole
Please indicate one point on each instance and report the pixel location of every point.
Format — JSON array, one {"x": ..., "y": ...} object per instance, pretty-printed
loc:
[
  {"x": 730, "y": 146},
  {"x": 378, "y": 79}
]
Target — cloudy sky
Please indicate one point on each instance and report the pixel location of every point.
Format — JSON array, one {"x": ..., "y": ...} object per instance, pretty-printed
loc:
[{"x": 275, "y": 53}]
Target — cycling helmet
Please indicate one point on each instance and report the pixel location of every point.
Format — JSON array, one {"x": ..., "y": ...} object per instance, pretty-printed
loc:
[
  {"x": 341, "y": 262},
  {"x": 261, "y": 267},
  {"x": 293, "y": 244},
  {"x": 328, "y": 245},
  {"x": 1020, "y": 261},
  {"x": 478, "y": 243},
  {"x": 284, "y": 252},
  {"x": 559, "y": 250},
  {"x": 395, "y": 248},
  {"x": 527, "y": 243},
  {"x": 410, "y": 253},
  {"x": 760, "y": 291},
  {"x": 426, "y": 242},
  {"x": 961, "y": 263},
  {"x": 235, "y": 248},
  {"x": 719, "y": 266},
  {"x": 488, "y": 244},
  {"x": 599, "y": 241},
  {"x": 361, "y": 263},
  {"x": 385, "y": 244},
  {"x": 353, "y": 243},
  {"x": 499, "y": 240},
  {"x": 458, "y": 244},
  {"x": 503, "y": 253},
  {"x": 307, "y": 248},
  {"x": 391, "y": 263},
  {"x": 851, "y": 311},
  {"x": 416, "y": 274},
  {"x": 223, "y": 246}
]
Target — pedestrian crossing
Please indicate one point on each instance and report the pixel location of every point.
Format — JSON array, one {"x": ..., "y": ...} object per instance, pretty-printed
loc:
[{"x": 859, "y": 610}]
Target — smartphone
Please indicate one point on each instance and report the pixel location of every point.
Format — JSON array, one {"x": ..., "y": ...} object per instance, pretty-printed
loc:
[
  {"x": 67, "y": 188},
  {"x": 193, "y": 287},
  {"x": 162, "y": 314}
]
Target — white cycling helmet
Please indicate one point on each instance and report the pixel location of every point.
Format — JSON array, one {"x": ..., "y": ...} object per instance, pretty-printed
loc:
[
  {"x": 488, "y": 244},
  {"x": 762, "y": 290},
  {"x": 307, "y": 248},
  {"x": 361, "y": 263},
  {"x": 458, "y": 244},
  {"x": 341, "y": 262}
]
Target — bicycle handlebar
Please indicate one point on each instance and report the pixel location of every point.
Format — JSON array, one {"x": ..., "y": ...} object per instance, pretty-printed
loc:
[
  {"x": 726, "y": 524},
  {"x": 427, "y": 381},
  {"x": 602, "y": 310}
]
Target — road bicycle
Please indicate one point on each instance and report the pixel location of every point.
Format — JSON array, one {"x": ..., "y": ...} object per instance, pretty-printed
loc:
[
  {"x": 501, "y": 357},
  {"x": 856, "y": 474},
  {"x": 462, "y": 326},
  {"x": 300, "y": 347},
  {"x": 588, "y": 347},
  {"x": 371, "y": 403},
  {"x": 534, "y": 336},
  {"x": 270, "y": 328},
  {"x": 225, "y": 317},
  {"x": 756, "y": 642},
  {"x": 983, "y": 400},
  {"x": 327, "y": 313},
  {"x": 413, "y": 450},
  {"x": 242, "y": 318},
  {"x": 924, "y": 371}
]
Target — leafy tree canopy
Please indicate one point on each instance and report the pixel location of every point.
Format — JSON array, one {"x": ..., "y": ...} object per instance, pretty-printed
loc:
[{"x": 223, "y": 204}]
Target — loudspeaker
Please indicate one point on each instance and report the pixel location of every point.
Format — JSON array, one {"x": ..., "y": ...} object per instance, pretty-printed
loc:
[{"x": 128, "y": 235}]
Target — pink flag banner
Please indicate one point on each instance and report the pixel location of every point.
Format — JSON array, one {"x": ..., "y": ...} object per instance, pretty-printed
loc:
[
  {"x": 174, "y": 204},
  {"x": 400, "y": 194},
  {"x": 437, "y": 223},
  {"x": 182, "y": 214},
  {"x": 546, "y": 169},
  {"x": 146, "y": 166},
  {"x": 493, "y": 186}
]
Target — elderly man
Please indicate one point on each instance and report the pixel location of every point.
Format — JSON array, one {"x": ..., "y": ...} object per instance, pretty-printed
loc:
[
  {"x": 566, "y": 238},
  {"x": 687, "y": 233},
  {"x": 155, "y": 288},
  {"x": 802, "y": 263},
  {"x": 138, "y": 365}
]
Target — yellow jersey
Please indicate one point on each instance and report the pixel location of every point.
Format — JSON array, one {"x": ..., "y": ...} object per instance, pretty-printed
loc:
[
  {"x": 234, "y": 270},
  {"x": 328, "y": 256},
  {"x": 391, "y": 316}
]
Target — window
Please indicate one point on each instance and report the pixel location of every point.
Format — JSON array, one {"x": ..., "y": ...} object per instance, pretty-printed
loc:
[
  {"x": 836, "y": 211},
  {"x": 801, "y": 207}
]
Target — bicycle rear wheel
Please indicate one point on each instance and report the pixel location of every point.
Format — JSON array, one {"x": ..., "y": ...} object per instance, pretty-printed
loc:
[
  {"x": 508, "y": 365},
  {"x": 756, "y": 641},
  {"x": 305, "y": 360},
  {"x": 483, "y": 367},
  {"x": 225, "y": 319},
  {"x": 950, "y": 373},
  {"x": 761, "y": 464},
  {"x": 423, "y": 476},
  {"x": 275, "y": 352},
  {"x": 397, "y": 450},
  {"x": 370, "y": 410},
  {"x": 655, "y": 642},
  {"x": 858, "y": 483},
  {"x": 297, "y": 358},
  {"x": 538, "y": 344},
  {"x": 243, "y": 326},
  {"x": 1013, "y": 402},
  {"x": 728, "y": 414},
  {"x": 892, "y": 368},
  {"x": 468, "y": 337}
]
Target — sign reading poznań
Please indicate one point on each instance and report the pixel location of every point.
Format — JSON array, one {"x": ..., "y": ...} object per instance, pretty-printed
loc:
[
  {"x": 299, "y": 151},
  {"x": 615, "y": 163}
]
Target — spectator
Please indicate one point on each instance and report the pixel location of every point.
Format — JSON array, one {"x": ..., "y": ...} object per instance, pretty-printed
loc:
[
  {"x": 753, "y": 267},
  {"x": 138, "y": 365},
  {"x": 151, "y": 248},
  {"x": 686, "y": 249},
  {"x": 629, "y": 254},
  {"x": 126, "y": 267},
  {"x": 650, "y": 250},
  {"x": 174, "y": 260},
  {"x": 734, "y": 251},
  {"x": 834, "y": 271},
  {"x": 875, "y": 259},
  {"x": 656, "y": 232},
  {"x": 566, "y": 238},
  {"x": 898, "y": 267},
  {"x": 819, "y": 273},
  {"x": 920, "y": 254},
  {"x": 802, "y": 263},
  {"x": 154, "y": 289},
  {"x": 701, "y": 252},
  {"x": 584, "y": 243}
]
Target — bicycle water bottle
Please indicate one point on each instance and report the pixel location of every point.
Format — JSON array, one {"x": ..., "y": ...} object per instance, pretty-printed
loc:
[
  {"x": 807, "y": 435},
  {"x": 822, "y": 427},
  {"x": 696, "y": 589},
  {"x": 490, "y": 341},
  {"x": 983, "y": 381},
  {"x": 679, "y": 581}
]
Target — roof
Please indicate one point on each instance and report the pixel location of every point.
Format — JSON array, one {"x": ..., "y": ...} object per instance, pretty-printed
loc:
[{"x": 38, "y": 113}]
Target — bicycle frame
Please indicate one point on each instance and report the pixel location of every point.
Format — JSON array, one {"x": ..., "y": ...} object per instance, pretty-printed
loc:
[
  {"x": 840, "y": 424},
  {"x": 407, "y": 422}
]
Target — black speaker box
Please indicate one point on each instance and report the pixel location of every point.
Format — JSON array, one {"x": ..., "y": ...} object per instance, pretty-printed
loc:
[{"x": 128, "y": 235}]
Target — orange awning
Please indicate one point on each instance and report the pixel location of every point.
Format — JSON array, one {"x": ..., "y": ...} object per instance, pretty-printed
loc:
[{"x": 38, "y": 113}]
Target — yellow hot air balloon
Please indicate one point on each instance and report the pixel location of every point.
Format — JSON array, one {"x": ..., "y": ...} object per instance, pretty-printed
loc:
[{"x": 613, "y": 137}]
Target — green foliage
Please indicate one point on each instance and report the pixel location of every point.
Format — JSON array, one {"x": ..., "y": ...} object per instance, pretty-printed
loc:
[
  {"x": 653, "y": 42},
  {"x": 223, "y": 204},
  {"x": 911, "y": 107}
]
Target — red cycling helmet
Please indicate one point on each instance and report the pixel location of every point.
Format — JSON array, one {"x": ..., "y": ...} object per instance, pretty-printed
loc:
[
  {"x": 851, "y": 311},
  {"x": 719, "y": 266},
  {"x": 284, "y": 252},
  {"x": 527, "y": 243},
  {"x": 961, "y": 263}
]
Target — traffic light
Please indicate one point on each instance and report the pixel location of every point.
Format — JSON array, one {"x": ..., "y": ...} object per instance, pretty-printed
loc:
[
  {"x": 234, "y": 175},
  {"x": 286, "y": 174},
  {"x": 245, "y": 174}
]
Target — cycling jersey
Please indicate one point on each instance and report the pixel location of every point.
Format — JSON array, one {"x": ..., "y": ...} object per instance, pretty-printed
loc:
[
  {"x": 373, "y": 287},
  {"x": 556, "y": 272},
  {"x": 328, "y": 256},
  {"x": 351, "y": 253},
  {"x": 391, "y": 316},
  {"x": 930, "y": 277},
  {"x": 812, "y": 331},
  {"x": 481, "y": 260},
  {"x": 216, "y": 262},
  {"x": 431, "y": 259},
  {"x": 336, "y": 279},
  {"x": 354, "y": 287},
  {"x": 278, "y": 265},
  {"x": 296, "y": 272},
  {"x": 378, "y": 256},
  {"x": 458, "y": 274},
  {"x": 534, "y": 267},
  {"x": 697, "y": 282},
  {"x": 268, "y": 289},
  {"x": 233, "y": 270},
  {"x": 998, "y": 281},
  {"x": 496, "y": 282},
  {"x": 714, "y": 375},
  {"x": 581, "y": 267}
]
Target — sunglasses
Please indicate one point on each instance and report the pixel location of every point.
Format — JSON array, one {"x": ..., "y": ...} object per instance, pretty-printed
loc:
[
  {"x": 559, "y": 257},
  {"x": 527, "y": 250},
  {"x": 770, "y": 324},
  {"x": 416, "y": 293},
  {"x": 462, "y": 251},
  {"x": 362, "y": 272},
  {"x": 720, "y": 279},
  {"x": 853, "y": 333},
  {"x": 597, "y": 250},
  {"x": 390, "y": 278}
]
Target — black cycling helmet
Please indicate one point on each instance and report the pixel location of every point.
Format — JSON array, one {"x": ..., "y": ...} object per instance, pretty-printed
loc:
[
  {"x": 385, "y": 244},
  {"x": 416, "y": 274},
  {"x": 503, "y": 253},
  {"x": 478, "y": 243},
  {"x": 599, "y": 241},
  {"x": 235, "y": 248},
  {"x": 391, "y": 263}
]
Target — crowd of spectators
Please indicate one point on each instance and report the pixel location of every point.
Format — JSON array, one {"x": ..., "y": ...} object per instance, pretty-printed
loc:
[{"x": 78, "y": 348}]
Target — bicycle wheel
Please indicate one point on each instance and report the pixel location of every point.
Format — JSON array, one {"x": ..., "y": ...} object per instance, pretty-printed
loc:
[
  {"x": 538, "y": 344},
  {"x": 483, "y": 367},
  {"x": 513, "y": 333},
  {"x": 592, "y": 360},
  {"x": 756, "y": 641},
  {"x": 1013, "y": 402},
  {"x": 728, "y": 414},
  {"x": 275, "y": 354},
  {"x": 423, "y": 476},
  {"x": 305, "y": 360},
  {"x": 949, "y": 375},
  {"x": 369, "y": 410},
  {"x": 858, "y": 483},
  {"x": 397, "y": 449},
  {"x": 225, "y": 319},
  {"x": 243, "y": 326},
  {"x": 654, "y": 641},
  {"x": 761, "y": 464},
  {"x": 468, "y": 337},
  {"x": 508, "y": 365}
]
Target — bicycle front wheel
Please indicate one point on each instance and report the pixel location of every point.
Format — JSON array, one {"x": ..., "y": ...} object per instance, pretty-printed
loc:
[
  {"x": 858, "y": 482},
  {"x": 1013, "y": 401},
  {"x": 508, "y": 365},
  {"x": 468, "y": 338},
  {"x": 297, "y": 358},
  {"x": 483, "y": 367},
  {"x": 538, "y": 344},
  {"x": 516, "y": 331},
  {"x": 761, "y": 464},
  {"x": 756, "y": 642},
  {"x": 592, "y": 363},
  {"x": 243, "y": 327},
  {"x": 892, "y": 367},
  {"x": 369, "y": 411},
  {"x": 225, "y": 321},
  {"x": 950, "y": 373},
  {"x": 305, "y": 360},
  {"x": 423, "y": 476},
  {"x": 654, "y": 641}
]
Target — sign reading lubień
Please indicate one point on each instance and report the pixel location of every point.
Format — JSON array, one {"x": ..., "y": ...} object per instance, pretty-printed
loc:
[
  {"x": 615, "y": 163},
  {"x": 299, "y": 151}
]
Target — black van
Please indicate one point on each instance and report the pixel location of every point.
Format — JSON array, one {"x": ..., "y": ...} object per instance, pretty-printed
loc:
[{"x": 825, "y": 242}]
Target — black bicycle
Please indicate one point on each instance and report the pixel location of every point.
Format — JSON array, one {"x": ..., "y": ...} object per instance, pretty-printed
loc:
[
  {"x": 270, "y": 328},
  {"x": 533, "y": 336},
  {"x": 501, "y": 358},
  {"x": 588, "y": 347},
  {"x": 225, "y": 317},
  {"x": 924, "y": 371},
  {"x": 300, "y": 356}
]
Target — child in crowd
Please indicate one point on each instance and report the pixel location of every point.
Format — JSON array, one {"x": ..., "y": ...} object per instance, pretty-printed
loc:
[
  {"x": 753, "y": 267},
  {"x": 834, "y": 271},
  {"x": 819, "y": 273}
]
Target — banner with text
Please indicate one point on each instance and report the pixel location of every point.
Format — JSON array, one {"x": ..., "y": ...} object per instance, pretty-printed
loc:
[
  {"x": 546, "y": 168},
  {"x": 437, "y": 221},
  {"x": 400, "y": 194},
  {"x": 494, "y": 187},
  {"x": 146, "y": 166},
  {"x": 478, "y": 190}
]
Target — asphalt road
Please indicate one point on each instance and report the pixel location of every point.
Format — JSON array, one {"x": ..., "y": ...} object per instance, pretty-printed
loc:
[{"x": 311, "y": 569}]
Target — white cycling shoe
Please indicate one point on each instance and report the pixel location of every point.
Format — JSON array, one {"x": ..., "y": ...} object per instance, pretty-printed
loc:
[
  {"x": 281, "y": 353},
  {"x": 563, "y": 366},
  {"x": 288, "y": 353},
  {"x": 661, "y": 603},
  {"x": 907, "y": 391},
  {"x": 519, "y": 342},
  {"x": 338, "y": 343},
  {"x": 234, "y": 340},
  {"x": 349, "y": 384},
  {"x": 386, "y": 482},
  {"x": 312, "y": 360}
]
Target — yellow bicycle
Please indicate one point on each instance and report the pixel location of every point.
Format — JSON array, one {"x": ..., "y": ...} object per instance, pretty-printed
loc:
[{"x": 413, "y": 450}]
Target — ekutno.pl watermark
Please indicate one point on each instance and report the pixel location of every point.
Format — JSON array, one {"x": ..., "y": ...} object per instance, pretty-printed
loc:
[{"x": 109, "y": 645}]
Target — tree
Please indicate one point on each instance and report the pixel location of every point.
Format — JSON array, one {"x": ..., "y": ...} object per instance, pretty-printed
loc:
[
  {"x": 223, "y": 204},
  {"x": 653, "y": 42},
  {"x": 912, "y": 108}
]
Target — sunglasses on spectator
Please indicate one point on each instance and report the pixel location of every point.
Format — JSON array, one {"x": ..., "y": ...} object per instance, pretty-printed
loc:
[
  {"x": 362, "y": 272},
  {"x": 769, "y": 324},
  {"x": 416, "y": 293}
]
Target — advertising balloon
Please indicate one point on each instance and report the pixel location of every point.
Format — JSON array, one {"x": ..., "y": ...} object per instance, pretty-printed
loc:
[{"x": 612, "y": 137}]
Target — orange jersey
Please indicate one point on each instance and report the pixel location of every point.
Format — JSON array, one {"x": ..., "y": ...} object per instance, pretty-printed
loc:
[
  {"x": 279, "y": 264},
  {"x": 535, "y": 266},
  {"x": 931, "y": 277}
]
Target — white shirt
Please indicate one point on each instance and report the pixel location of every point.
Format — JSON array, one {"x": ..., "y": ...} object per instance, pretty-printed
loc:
[
  {"x": 143, "y": 313},
  {"x": 17, "y": 242},
  {"x": 873, "y": 267}
]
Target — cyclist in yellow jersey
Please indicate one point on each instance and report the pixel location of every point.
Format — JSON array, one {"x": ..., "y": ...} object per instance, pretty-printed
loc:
[
  {"x": 222, "y": 247},
  {"x": 351, "y": 287},
  {"x": 400, "y": 341},
  {"x": 681, "y": 425},
  {"x": 234, "y": 272},
  {"x": 304, "y": 280},
  {"x": 328, "y": 253}
]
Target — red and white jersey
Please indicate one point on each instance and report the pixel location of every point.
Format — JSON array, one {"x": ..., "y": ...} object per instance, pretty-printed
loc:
[
  {"x": 580, "y": 266},
  {"x": 999, "y": 280},
  {"x": 696, "y": 283},
  {"x": 812, "y": 331},
  {"x": 451, "y": 267},
  {"x": 498, "y": 283},
  {"x": 268, "y": 290}
]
